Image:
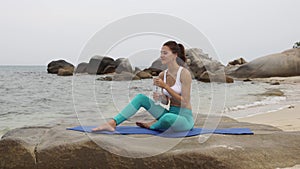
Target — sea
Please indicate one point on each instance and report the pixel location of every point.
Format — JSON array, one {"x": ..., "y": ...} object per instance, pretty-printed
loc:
[{"x": 32, "y": 97}]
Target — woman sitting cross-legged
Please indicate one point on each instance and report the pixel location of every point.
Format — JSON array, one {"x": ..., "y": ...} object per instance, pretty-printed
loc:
[{"x": 176, "y": 88}]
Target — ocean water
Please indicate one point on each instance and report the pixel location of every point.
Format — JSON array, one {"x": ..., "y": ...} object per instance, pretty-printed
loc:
[{"x": 32, "y": 97}]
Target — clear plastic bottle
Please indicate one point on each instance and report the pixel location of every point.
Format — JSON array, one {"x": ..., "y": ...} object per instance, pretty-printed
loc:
[{"x": 156, "y": 89}]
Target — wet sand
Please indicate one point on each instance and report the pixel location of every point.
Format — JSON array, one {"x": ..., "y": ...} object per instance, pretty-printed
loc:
[{"x": 287, "y": 119}]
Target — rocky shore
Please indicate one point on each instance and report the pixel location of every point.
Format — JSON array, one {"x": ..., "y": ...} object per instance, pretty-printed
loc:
[
  {"x": 270, "y": 147},
  {"x": 201, "y": 66},
  {"x": 56, "y": 147}
]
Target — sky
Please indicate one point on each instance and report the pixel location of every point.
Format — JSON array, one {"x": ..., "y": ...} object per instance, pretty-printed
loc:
[{"x": 36, "y": 32}]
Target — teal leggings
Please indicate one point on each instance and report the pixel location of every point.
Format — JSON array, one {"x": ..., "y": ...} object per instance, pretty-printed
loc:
[{"x": 176, "y": 118}]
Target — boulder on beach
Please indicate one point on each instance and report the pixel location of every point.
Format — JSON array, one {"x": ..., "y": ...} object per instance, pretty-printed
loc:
[
  {"x": 81, "y": 68},
  {"x": 204, "y": 68},
  {"x": 56, "y": 147},
  {"x": 197, "y": 62},
  {"x": 104, "y": 65},
  {"x": 156, "y": 67},
  {"x": 101, "y": 65},
  {"x": 212, "y": 77},
  {"x": 123, "y": 65},
  {"x": 282, "y": 64},
  {"x": 54, "y": 67}
]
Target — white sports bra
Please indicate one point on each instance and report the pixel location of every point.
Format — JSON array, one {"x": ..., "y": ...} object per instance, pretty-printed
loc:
[{"x": 177, "y": 86}]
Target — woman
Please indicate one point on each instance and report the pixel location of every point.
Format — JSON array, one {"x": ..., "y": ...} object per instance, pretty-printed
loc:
[{"x": 176, "y": 84}]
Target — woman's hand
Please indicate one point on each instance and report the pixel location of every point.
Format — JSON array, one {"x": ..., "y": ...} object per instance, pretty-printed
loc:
[{"x": 158, "y": 82}]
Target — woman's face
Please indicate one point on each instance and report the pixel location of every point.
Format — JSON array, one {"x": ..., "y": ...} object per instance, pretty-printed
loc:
[{"x": 166, "y": 55}]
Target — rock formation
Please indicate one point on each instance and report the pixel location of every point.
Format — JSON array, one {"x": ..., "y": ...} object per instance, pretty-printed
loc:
[
  {"x": 101, "y": 65},
  {"x": 212, "y": 77},
  {"x": 60, "y": 67},
  {"x": 81, "y": 68},
  {"x": 282, "y": 64},
  {"x": 198, "y": 63},
  {"x": 123, "y": 65},
  {"x": 56, "y": 147}
]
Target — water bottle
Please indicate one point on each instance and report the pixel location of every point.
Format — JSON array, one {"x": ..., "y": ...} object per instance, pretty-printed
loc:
[{"x": 156, "y": 90}]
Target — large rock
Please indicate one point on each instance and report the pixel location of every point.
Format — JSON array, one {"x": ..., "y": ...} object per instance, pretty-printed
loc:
[
  {"x": 199, "y": 62},
  {"x": 81, "y": 68},
  {"x": 212, "y": 77},
  {"x": 156, "y": 67},
  {"x": 282, "y": 64},
  {"x": 56, "y": 147},
  {"x": 54, "y": 66},
  {"x": 101, "y": 65},
  {"x": 123, "y": 65}
]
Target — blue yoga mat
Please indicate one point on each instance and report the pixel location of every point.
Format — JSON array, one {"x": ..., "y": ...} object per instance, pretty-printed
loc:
[{"x": 139, "y": 130}]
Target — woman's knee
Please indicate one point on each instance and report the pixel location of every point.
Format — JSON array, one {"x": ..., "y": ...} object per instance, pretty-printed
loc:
[
  {"x": 141, "y": 97},
  {"x": 140, "y": 100},
  {"x": 168, "y": 118}
]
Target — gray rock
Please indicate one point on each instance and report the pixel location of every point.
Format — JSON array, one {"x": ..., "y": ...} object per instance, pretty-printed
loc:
[
  {"x": 155, "y": 68},
  {"x": 81, "y": 68},
  {"x": 199, "y": 62},
  {"x": 196, "y": 61},
  {"x": 158, "y": 65},
  {"x": 101, "y": 65},
  {"x": 282, "y": 64},
  {"x": 212, "y": 77},
  {"x": 123, "y": 65},
  {"x": 56, "y": 147},
  {"x": 18, "y": 147},
  {"x": 137, "y": 70}
]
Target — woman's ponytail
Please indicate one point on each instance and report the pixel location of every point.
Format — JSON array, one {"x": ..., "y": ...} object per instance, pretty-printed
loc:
[{"x": 181, "y": 52}]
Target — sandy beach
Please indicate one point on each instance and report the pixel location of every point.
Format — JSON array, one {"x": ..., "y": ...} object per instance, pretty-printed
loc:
[{"x": 287, "y": 119}]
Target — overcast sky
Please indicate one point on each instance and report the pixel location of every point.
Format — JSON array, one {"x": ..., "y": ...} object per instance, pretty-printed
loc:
[{"x": 35, "y": 32}]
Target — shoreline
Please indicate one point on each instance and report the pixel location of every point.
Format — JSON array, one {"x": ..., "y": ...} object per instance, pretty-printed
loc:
[
  {"x": 286, "y": 119},
  {"x": 284, "y": 80}
]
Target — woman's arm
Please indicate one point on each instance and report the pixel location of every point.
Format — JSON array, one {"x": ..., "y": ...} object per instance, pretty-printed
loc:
[
  {"x": 186, "y": 81},
  {"x": 164, "y": 99}
]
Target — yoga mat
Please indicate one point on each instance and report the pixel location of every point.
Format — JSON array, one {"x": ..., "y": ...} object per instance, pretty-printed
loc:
[{"x": 139, "y": 130}]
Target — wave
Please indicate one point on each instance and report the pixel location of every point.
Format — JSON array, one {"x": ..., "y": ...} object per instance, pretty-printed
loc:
[{"x": 265, "y": 101}]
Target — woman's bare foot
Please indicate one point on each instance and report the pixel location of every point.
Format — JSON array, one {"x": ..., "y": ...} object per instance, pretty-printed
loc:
[
  {"x": 109, "y": 126},
  {"x": 145, "y": 125}
]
